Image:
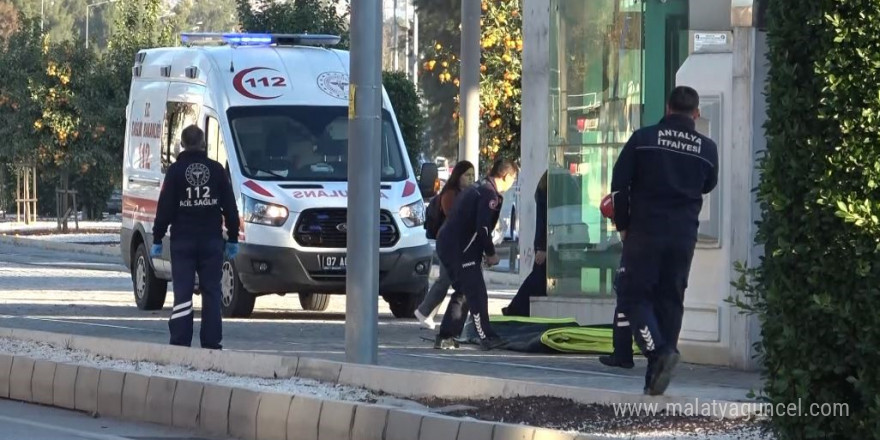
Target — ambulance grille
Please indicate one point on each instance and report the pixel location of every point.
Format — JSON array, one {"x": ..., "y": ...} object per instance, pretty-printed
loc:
[{"x": 326, "y": 228}]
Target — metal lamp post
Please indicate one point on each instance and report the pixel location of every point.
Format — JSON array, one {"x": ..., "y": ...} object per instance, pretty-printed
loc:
[
  {"x": 469, "y": 92},
  {"x": 364, "y": 139}
]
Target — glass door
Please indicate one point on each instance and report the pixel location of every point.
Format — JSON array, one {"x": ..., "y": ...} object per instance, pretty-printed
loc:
[
  {"x": 613, "y": 62},
  {"x": 596, "y": 104}
]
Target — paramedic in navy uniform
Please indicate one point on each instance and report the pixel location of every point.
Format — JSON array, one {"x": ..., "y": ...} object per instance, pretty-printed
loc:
[
  {"x": 657, "y": 187},
  {"x": 195, "y": 199},
  {"x": 464, "y": 243}
]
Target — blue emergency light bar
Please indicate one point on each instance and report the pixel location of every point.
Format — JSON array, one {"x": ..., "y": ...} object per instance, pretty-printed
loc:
[{"x": 248, "y": 39}]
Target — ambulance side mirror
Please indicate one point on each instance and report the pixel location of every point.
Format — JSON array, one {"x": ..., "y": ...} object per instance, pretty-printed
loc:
[{"x": 428, "y": 179}]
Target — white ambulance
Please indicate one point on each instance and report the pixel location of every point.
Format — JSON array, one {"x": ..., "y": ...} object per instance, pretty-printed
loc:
[{"x": 275, "y": 113}]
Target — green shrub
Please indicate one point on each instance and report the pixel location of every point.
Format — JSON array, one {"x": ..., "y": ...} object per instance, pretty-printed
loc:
[
  {"x": 817, "y": 291},
  {"x": 302, "y": 16},
  {"x": 405, "y": 101}
]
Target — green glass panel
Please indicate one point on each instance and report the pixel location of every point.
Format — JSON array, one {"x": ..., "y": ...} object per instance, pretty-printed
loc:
[
  {"x": 666, "y": 48},
  {"x": 596, "y": 104},
  {"x": 613, "y": 62}
]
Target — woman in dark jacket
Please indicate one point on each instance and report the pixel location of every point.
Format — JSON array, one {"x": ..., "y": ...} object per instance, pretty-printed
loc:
[
  {"x": 461, "y": 177},
  {"x": 536, "y": 283}
]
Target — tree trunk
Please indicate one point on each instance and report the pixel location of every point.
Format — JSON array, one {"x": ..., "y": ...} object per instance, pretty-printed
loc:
[{"x": 65, "y": 201}]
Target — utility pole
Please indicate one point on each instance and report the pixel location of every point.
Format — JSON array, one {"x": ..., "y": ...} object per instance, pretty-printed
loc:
[
  {"x": 364, "y": 138},
  {"x": 469, "y": 92},
  {"x": 415, "y": 59},
  {"x": 406, "y": 63},
  {"x": 395, "y": 45}
]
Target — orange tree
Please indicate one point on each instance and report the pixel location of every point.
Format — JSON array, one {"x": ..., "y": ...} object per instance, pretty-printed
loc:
[
  {"x": 62, "y": 108},
  {"x": 500, "y": 80}
]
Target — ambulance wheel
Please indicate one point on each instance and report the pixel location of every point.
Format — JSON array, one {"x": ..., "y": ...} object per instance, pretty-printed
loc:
[
  {"x": 404, "y": 305},
  {"x": 235, "y": 301},
  {"x": 149, "y": 290},
  {"x": 314, "y": 302}
]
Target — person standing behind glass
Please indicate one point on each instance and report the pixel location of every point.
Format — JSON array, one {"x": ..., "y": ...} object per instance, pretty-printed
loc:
[
  {"x": 462, "y": 176},
  {"x": 536, "y": 283}
]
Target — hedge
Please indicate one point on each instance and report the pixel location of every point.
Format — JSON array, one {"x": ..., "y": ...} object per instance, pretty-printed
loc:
[
  {"x": 405, "y": 101},
  {"x": 817, "y": 290}
]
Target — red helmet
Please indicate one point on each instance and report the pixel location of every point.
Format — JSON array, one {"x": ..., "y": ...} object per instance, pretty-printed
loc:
[{"x": 607, "y": 207}]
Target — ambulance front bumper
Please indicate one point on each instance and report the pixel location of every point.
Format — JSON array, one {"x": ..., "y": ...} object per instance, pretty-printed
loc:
[{"x": 271, "y": 269}]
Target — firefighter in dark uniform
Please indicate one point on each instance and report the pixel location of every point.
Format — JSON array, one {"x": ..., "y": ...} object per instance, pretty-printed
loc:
[
  {"x": 195, "y": 199},
  {"x": 621, "y": 338},
  {"x": 658, "y": 184},
  {"x": 463, "y": 242}
]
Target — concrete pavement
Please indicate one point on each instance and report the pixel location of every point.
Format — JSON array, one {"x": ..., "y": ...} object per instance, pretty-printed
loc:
[
  {"x": 86, "y": 295},
  {"x": 20, "y": 420},
  {"x": 236, "y": 411}
]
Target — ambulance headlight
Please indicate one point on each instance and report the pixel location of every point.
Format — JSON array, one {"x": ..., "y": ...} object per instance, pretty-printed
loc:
[
  {"x": 413, "y": 214},
  {"x": 263, "y": 213}
]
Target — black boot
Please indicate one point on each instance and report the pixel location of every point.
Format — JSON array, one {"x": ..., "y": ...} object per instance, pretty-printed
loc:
[
  {"x": 491, "y": 342},
  {"x": 614, "y": 361},
  {"x": 662, "y": 374}
]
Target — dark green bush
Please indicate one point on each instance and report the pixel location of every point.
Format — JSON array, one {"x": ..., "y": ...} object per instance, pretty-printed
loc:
[
  {"x": 817, "y": 291},
  {"x": 405, "y": 101}
]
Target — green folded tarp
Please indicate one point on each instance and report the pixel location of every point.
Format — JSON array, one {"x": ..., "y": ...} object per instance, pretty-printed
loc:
[{"x": 546, "y": 335}]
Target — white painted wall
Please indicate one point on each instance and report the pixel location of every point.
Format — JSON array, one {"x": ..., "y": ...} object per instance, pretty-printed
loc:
[
  {"x": 536, "y": 121},
  {"x": 705, "y": 316},
  {"x": 761, "y": 72}
]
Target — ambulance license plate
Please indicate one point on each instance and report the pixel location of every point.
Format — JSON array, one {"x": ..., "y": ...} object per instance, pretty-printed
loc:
[{"x": 332, "y": 262}]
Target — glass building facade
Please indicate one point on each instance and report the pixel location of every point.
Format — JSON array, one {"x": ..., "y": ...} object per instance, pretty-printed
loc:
[{"x": 613, "y": 62}]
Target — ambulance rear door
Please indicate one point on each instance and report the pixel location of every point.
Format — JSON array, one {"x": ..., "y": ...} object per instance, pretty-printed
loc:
[
  {"x": 182, "y": 109},
  {"x": 142, "y": 176}
]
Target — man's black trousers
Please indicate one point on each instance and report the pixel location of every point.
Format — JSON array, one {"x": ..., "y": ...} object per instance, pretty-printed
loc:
[
  {"x": 189, "y": 257},
  {"x": 622, "y": 332},
  {"x": 652, "y": 279},
  {"x": 534, "y": 285},
  {"x": 470, "y": 295}
]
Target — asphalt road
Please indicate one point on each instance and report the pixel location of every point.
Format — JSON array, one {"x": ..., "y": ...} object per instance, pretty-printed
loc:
[
  {"x": 23, "y": 421},
  {"x": 92, "y": 295}
]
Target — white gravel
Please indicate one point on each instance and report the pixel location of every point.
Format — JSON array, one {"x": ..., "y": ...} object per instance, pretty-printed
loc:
[
  {"x": 10, "y": 225},
  {"x": 109, "y": 238},
  {"x": 307, "y": 387}
]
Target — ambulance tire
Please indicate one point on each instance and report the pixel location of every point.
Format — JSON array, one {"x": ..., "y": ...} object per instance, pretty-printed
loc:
[
  {"x": 404, "y": 305},
  {"x": 235, "y": 300},
  {"x": 314, "y": 302},
  {"x": 149, "y": 290}
]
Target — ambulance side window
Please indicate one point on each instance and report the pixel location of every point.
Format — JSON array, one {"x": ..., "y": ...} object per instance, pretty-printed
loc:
[
  {"x": 178, "y": 116},
  {"x": 216, "y": 147}
]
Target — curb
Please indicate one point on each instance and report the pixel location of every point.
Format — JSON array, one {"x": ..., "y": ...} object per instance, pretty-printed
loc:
[
  {"x": 237, "y": 412},
  {"x": 395, "y": 381},
  {"x": 109, "y": 251}
]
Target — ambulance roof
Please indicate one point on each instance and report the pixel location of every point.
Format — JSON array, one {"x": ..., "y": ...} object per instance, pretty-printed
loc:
[{"x": 248, "y": 75}]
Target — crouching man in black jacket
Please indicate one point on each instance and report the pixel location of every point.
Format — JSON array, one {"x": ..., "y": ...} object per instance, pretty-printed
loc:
[
  {"x": 196, "y": 197},
  {"x": 464, "y": 240},
  {"x": 658, "y": 185}
]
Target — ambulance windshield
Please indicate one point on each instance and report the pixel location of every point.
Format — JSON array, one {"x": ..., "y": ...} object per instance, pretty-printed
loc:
[{"x": 304, "y": 143}]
